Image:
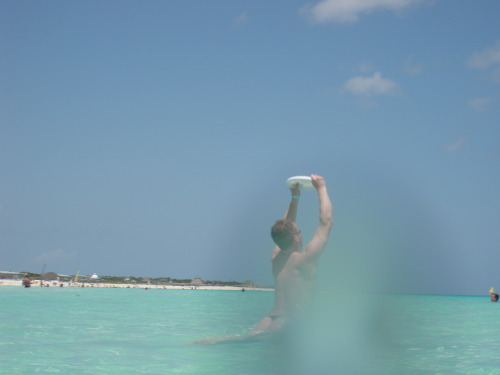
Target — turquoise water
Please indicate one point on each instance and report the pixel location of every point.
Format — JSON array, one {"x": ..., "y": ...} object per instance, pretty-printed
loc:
[
  {"x": 449, "y": 335},
  {"x": 136, "y": 331}
]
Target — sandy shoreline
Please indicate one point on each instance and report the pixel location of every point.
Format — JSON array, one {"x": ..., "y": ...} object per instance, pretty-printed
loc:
[{"x": 65, "y": 284}]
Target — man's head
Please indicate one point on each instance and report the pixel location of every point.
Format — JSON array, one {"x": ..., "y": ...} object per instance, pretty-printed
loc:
[{"x": 285, "y": 234}]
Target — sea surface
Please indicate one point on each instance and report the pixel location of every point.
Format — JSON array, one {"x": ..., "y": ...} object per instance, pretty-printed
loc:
[{"x": 136, "y": 331}]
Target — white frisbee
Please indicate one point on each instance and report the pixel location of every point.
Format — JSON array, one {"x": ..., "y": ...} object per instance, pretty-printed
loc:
[{"x": 305, "y": 182}]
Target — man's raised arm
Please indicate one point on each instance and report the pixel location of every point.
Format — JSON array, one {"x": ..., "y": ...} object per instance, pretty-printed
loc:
[
  {"x": 314, "y": 248},
  {"x": 291, "y": 213}
]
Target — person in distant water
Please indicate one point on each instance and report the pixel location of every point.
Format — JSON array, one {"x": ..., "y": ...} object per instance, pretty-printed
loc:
[
  {"x": 294, "y": 268},
  {"x": 493, "y": 295},
  {"x": 26, "y": 281}
]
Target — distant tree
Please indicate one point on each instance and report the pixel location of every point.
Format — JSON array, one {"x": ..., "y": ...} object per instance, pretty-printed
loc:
[{"x": 249, "y": 284}]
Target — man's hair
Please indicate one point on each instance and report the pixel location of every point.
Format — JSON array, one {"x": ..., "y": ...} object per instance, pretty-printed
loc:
[{"x": 282, "y": 233}]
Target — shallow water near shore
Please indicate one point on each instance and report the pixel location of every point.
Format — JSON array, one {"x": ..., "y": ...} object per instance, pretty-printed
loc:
[{"x": 136, "y": 331}]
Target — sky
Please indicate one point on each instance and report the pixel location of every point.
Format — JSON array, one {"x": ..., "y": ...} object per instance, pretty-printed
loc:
[{"x": 154, "y": 138}]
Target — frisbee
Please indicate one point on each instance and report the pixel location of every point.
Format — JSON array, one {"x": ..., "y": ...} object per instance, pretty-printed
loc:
[{"x": 304, "y": 182}]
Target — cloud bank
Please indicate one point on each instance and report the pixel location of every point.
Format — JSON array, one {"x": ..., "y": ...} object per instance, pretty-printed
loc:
[
  {"x": 480, "y": 104},
  {"x": 456, "y": 146},
  {"x": 412, "y": 67},
  {"x": 486, "y": 58},
  {"x": 344, "y": 11},
  {"x": 374, "y": 85},
  {"x": 242, "y": 19}
]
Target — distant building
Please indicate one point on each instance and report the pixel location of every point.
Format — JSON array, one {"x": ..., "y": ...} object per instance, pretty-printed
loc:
[
  {"x": 94, "y": 277},
  {"x": 50, "y": 276},
  {"x": 197, "y": 281},
  {"x": 9, "y": 275}
]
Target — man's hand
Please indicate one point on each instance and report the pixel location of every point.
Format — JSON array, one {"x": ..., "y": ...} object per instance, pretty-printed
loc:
[
  {"x": 295, "y": 189},
  {"x": 318, "y": 181}
]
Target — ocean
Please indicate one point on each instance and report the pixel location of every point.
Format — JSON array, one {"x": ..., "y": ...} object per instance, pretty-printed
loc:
[{"x": 136, "y": 331}]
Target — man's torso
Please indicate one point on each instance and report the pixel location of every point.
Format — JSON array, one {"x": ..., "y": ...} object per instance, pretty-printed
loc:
[{"x": 294, "y": 283}]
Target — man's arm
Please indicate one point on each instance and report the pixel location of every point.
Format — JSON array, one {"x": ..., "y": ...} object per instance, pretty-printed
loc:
[
  {"x": 291, "y": 213},
  {"x": 314, "y": 248}
]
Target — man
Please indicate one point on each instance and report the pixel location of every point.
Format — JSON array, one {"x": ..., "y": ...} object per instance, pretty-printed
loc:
[
  {"x": 294, "y": 268},
  {"x": 493, "y": 295},
  {"x": 26, "y": 282}
]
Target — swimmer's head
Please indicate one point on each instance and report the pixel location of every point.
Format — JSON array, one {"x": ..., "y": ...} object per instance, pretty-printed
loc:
[{"x": 285, "y": 234}]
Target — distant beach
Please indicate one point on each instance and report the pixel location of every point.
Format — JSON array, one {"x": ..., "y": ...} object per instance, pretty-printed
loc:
[{"x": 64, "y": 284}]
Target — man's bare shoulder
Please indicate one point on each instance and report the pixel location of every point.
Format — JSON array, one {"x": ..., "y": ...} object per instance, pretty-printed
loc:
[{"x": 275, "y": 253}]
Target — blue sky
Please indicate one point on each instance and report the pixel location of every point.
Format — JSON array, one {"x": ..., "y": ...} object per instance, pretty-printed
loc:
[{"x": 154, "y": 138}]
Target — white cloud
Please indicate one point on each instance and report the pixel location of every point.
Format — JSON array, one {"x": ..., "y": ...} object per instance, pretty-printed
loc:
[
  {"x": 486, "y": 58},
  {"x": 480, "y": 104},
  {"x": 54, "y": 256},
  {"x": 350, "y": 10},
  {"x": 242, "y": 19},
  {"x": 412, "y": 67},
  {"x": 456, "y": 146},
  {"x": 496, "y": 75},
  {"x": 374, "y": 85}
]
